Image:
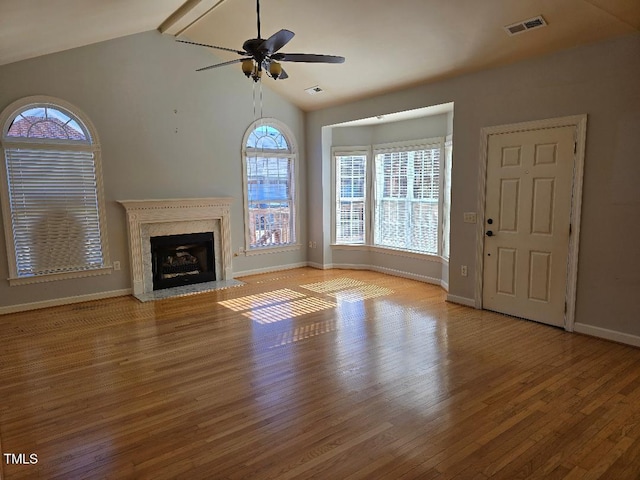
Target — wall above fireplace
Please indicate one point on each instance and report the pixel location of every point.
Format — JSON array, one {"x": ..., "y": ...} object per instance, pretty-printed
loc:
[{"x": 151, "y": 218}]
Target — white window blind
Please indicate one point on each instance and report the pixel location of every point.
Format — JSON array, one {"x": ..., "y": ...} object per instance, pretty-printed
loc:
[
  {"x": 406, "y": 200},
  {"x": 54, "y": 210},
  {"x": 350, "y": 198}
]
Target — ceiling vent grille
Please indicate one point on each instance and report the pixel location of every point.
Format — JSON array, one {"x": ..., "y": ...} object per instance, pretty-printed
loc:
[
  {"x": 313, "y": 90},
  {"x": 525, "y": 25}
]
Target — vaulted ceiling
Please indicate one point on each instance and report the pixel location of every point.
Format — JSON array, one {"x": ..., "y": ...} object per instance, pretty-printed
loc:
[{"x": 388, "y": 45}]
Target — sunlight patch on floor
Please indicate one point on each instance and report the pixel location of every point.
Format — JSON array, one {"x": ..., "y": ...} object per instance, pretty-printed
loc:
[
  {"x": 348, "y": 290},
  {"x": 333, "y": 285},
  {"x": 287, "y": 310},
  {"x": 361, "y": 293},
  {"x": 284, "y": 304},
  {"x": 261, "y": 299}
]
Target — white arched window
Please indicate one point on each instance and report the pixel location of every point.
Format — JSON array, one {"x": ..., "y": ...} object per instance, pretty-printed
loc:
[
  {"x": 269, "y": 174},
  {"x": 51, "y": 187}
]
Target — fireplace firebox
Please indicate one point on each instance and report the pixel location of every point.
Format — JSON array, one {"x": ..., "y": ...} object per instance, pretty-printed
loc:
[{"x": 182, "y": 260}]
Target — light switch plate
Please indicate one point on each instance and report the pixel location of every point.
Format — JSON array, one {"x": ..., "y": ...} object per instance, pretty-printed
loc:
[{"x": 470, "y": 217}]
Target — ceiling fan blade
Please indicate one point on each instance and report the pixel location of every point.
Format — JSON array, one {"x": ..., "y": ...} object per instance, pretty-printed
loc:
[
  {"x": 239, "y": 52},
  {"x": 231, "y": 62},
  {"x": 307, "y": 57},
  {"x": 276, "y": 41}
]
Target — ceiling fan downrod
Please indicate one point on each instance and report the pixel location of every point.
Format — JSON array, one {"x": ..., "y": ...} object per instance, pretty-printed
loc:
[{"x": 258, "y": 11}]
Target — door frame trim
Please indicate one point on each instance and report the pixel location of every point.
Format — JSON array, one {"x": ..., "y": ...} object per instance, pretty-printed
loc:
[{"x": 579, "y": 122}]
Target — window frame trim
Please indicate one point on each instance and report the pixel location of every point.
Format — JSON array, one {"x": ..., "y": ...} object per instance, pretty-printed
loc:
[
  {"x": 8, "y": 114},
  {"x": 446, "y": 165},
  {"x": 291, "y": 154}
]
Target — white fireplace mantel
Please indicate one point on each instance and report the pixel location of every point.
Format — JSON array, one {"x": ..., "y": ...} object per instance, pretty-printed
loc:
[{"x": 147, "y": 218}]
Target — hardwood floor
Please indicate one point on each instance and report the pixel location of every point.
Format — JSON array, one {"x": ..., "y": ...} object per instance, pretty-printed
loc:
[{"x": 312, "y": 374}]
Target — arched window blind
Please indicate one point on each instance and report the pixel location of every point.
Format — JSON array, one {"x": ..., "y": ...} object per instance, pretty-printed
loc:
[{"x": 51, "y": 192}]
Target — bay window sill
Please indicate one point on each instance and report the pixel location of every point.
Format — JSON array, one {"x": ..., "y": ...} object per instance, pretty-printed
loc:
[{"x": 389, "y": 251}]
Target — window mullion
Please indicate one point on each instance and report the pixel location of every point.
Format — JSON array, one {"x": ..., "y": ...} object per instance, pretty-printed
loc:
[{"x": 410, "y": 172}]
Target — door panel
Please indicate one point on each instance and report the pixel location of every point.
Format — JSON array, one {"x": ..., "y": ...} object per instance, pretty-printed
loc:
[
  {"x": 528, "y": 205},
  {"x": 509, "y": 196},
  {"x": 542, "y": 206},
  {"x": 539, "y": 276},
  {"x": 507, "y": 271}
]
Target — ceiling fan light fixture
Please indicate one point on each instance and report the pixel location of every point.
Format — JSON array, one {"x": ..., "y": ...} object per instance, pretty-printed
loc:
[
  {"x": 256, "y": 74},
  {"x": 275, "y": 69},
  {"x": 247, "y": 67}
]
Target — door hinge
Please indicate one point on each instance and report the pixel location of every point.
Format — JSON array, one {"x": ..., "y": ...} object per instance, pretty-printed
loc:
[
  {"x": 565, "y": 307},
  {"x": 575, "y": 147},
  {"x": 570, "y": 227}
]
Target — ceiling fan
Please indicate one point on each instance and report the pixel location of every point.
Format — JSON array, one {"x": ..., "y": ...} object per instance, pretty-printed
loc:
[{"x": 263, "y": 55}]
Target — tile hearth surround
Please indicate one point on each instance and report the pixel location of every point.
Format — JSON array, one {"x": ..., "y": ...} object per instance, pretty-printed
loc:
[{"x": 150, "y": 218}]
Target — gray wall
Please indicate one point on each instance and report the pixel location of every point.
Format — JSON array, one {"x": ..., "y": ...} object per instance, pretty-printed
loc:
[
  {"x": 166, "y": 132},
  {"x": 601, "y": 80}
]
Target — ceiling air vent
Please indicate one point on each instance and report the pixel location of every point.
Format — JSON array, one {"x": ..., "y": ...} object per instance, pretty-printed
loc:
[
  {"x": 313, "y": 90},
  {"x": 525, "y": 25}
]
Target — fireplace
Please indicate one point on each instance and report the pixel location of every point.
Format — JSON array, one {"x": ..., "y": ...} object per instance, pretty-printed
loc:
[
  {"x": 152, "y": 219},
  {"x": 185, "y": 259}
]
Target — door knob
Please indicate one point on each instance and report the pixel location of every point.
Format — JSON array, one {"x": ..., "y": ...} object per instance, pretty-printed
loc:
[{"x": 489, "y": 233}]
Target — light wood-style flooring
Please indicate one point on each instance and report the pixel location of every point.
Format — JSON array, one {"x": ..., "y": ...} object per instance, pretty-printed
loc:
[{"x": 312, "y": 374}]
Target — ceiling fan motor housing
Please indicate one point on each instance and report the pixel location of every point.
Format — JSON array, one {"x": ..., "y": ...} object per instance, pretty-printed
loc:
[{"x": 252, "y": 45}]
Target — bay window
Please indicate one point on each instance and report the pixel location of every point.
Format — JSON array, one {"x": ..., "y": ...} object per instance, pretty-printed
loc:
[{"x": 397, "y": 200}]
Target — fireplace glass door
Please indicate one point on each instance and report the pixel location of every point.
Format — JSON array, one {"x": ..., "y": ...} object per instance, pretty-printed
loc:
[{"x": 182, "y": 260}]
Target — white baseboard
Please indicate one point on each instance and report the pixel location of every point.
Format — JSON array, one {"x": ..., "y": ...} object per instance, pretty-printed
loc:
[
  {"x": 607, "y": 334},
  {"x": 347, "y": 266},
  {"x": 320, "y": 266},
  {"x": 23, "y": 307},
  {"x": 276, "y": 268},
  {"x": 388, "y": 271},
  {"x": 468, "y": 302},
  {"x": 411, "y": 276}
]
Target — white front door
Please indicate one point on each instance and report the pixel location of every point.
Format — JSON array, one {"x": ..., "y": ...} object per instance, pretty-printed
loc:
[{"x": 527, "y": 223}]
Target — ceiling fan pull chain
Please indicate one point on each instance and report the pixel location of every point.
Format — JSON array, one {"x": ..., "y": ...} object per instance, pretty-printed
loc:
[
  {"x": 254, "y": 101},
  {"x": 261, "y": 115}
]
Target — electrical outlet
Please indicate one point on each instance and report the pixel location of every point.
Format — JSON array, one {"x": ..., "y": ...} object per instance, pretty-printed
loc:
[
  {"x": 470, "y": 217},
  {"x": 116, "y": 265},
  {"x": 314, "y": 245},
  {"x": 463, "y": 270},
  {"x": 310, "y": 244}
]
